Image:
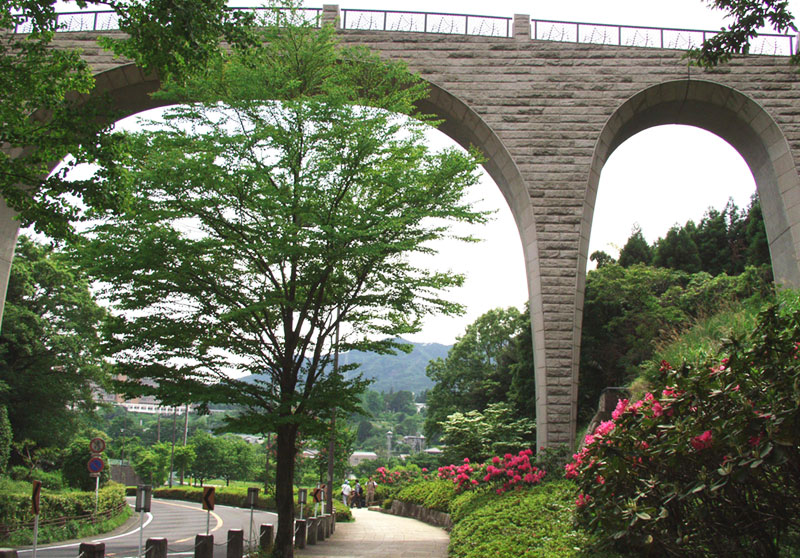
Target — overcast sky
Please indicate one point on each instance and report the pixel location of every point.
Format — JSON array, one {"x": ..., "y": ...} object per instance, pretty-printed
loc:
[{"x": 658, "y": 178}]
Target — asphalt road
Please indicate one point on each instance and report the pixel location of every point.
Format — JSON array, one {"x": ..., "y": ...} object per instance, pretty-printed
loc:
[{"x": 177, "y": 521}]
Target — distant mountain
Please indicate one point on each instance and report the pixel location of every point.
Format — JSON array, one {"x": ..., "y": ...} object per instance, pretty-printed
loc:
[{"x": 395, "y": 372}]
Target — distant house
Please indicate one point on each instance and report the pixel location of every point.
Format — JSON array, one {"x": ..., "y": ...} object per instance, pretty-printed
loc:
[{"x": 359, "y": 456}]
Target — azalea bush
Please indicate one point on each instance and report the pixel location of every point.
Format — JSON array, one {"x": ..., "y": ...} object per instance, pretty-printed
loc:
[
  {"x": 501, "y": 473},
  {"x": 707, "y": 464}
]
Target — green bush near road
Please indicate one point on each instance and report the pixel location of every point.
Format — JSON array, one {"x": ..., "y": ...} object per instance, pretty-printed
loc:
[
  {"x": 63, "y": 515},
  {"x": 433, "y": 494}
]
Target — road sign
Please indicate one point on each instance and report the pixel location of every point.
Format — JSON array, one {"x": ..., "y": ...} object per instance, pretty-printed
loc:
[
  {"x": 95, "y": 465},
  {"x": 208, "y": 498},
  {"x": 252, "y": 496},
  {"x": 97, "y": 445},
  {"x": 37, "y": 490},
  {"x": 144, "y": 495}
]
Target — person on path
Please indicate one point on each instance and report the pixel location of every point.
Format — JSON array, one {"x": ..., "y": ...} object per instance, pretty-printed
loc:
[
  {"x": 346, "y": 490},
  {"x": 371, "y": 484},
  {"x": 358, "y": 495}
]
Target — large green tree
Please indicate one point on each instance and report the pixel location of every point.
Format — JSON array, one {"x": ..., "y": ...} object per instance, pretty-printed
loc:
[
  {"x": 258, "y": 227},
  {"x": 491, "y": 363},
  {"x": 49, "y": 346}
]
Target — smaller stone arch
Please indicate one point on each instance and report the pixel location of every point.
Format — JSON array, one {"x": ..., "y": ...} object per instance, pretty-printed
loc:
[{"x": 740, "y": 121}]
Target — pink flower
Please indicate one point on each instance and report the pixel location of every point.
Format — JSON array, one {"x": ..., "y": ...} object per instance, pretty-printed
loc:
[
  {"x": 703, "y": 441},
  {"x": 583, "y": 500},
  {"x": 622, "y": 405},
  {"x": 658, "y": 410}
]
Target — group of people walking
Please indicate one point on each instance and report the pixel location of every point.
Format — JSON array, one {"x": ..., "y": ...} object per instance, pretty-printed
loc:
[{"x": 353, "y": 496}]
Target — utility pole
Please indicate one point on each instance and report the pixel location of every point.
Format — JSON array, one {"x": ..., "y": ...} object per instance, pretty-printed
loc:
[{"x": 172, "y": 453}]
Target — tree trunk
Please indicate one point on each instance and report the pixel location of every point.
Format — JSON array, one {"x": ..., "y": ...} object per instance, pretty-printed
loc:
[{"x": 284, "y": 490}]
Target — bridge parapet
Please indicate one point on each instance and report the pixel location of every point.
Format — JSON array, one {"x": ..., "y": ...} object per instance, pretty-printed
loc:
[{"x": 476, "y": 25}]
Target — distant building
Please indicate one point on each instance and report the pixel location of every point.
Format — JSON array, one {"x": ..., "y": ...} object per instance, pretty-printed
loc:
[
  {"x": 415, "y": 443},
  {"x": 360, "y": 456}
]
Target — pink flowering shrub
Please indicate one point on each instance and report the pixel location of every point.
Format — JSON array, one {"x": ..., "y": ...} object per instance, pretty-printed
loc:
[
  {"x": 501, "y": 473},
  {"x": 708, "y": 464}
]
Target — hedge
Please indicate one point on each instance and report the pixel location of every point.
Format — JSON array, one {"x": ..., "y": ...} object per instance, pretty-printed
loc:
[
  {"x": 433, "y": 494},
  {"x": 535, "y": 522},
  {"x": 15, "y": 508}
]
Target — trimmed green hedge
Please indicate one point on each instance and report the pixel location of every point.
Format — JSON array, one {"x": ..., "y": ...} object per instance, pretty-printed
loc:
[
  {"x": 235, "y": 497},
  {"x": 433, "y": 494},
  {"x": 532, "y": 523},
  {"x": 15, "y": 508}
]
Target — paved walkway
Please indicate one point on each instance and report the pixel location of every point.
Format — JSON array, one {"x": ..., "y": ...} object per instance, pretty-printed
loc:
[{"x": 380, "y": 535}]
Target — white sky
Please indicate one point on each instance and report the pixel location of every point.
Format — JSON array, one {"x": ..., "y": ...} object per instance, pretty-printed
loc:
[{"x": 659, "y": 177}]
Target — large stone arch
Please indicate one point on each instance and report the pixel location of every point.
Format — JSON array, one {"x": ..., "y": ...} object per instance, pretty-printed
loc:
[{"x": 737, "y": 119}]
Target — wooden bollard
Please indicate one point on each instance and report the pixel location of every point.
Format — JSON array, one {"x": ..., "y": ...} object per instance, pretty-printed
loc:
[
  {"x": 300, "y": 533},
  {"x": 326, "y": 526},
  {"x": 311, "y": 536},
  {"x": 332, "y": 524},
  {"x": 204, "y": 546},
  {"x": 265, "y": 538},
  {"x": 321, "y": 535},
  {"x": 235, "y": 543},
  {"x": 155, "y": 548},
  {"x": 92, "y": 550},
  {"x": 8, "y": 553}
]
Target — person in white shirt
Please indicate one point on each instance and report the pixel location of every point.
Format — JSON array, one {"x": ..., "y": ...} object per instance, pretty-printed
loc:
[{"x": 346, "y": 490}]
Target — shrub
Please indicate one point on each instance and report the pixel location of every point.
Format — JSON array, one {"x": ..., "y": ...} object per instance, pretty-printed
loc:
[
  {"x": 432, "y": 494},
  {"x": 226, "y": 496},
  {"x": 527, "y": 523},
  {"x": 15, "y": 508},
  {"x": 707, "y": 465}
]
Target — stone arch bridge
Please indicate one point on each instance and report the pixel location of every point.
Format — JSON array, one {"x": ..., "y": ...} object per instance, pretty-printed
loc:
[{"x": 547, "y": 114}]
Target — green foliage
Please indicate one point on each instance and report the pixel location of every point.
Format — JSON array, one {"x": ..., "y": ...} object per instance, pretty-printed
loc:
[
  {"x": 6, "y": 436},
  {"x": 49, "y": 346},
  {"x": 433, "y": 494},
  {"x": 479, "y": 435},
  {"x": 532, "y": 523},
  {"x": 747, "y": 18},
  {"x": 170, "y": 37},
  {"x": 15, "y": 507},
  {"x": 70, "y": 530},
  {"x": 491, "y": 363},
  {"x": 636, "y": 250},
  {"x": 628, "y": 311},
  {"x": 73, "y": 465},
  {"x": 152, "y": 464},
  {"x": 235, "y": 496},
  {"x": 706, "y": 466}
]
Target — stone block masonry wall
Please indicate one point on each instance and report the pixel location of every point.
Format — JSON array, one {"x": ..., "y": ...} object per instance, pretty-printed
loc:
[{"x": 547, "y": 115}]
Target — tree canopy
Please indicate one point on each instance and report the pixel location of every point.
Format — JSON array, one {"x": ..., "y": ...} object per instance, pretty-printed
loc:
[
  {"x": 49, "y": 346},
  {"x": 280, "y": 206}
]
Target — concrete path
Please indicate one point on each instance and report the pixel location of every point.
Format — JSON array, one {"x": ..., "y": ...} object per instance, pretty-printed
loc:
[{"x": 380, "y": 535}]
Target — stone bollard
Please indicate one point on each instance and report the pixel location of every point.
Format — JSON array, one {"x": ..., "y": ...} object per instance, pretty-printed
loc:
[
  {"x": 300, "y": 533},
  {"x": 8, "y": 553},
  {"x": 311, "y": 536},
  {"x": 265, "y": 538},
  {"x": 322, "y": 521},
  {"x": 235, "y": 543},
  {"x": 332, "y": 524},
  {"x": 92, "y": 550},
  {"x": 155, "y": 548},
  {"x": 204, "y": 546}
]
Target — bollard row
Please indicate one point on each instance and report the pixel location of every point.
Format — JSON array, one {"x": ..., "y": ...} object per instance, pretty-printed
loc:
[{"x": 307, "y": 531}]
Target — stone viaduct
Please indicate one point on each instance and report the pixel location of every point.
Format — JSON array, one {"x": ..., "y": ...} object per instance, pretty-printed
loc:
[{"x": 547, "y": 115}]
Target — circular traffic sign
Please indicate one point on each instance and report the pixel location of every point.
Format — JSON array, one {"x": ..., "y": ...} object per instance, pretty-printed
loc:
[
  {"x": 97, "y": 445},
  {"x": 95, "y": 465}
]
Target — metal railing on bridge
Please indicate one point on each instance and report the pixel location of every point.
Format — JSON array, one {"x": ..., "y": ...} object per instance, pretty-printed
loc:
[
  {"x": 653, "y": 37},
  {"x": 475, "y": 25}
]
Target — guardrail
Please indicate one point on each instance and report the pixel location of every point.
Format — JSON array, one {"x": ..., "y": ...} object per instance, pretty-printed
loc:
[
  {"x": 477, "y": 25},
  {"x": 426, "y": 22},
  {"x": 653, "y": 37}
]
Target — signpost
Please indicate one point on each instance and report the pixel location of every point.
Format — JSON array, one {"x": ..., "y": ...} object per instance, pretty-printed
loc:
[
  {"x": 208, "y": 504},
  {"x": 302, "y": 495},
  {"x": 95, "y": 466},
  {"x": 144, "y": 495},
  {"x": 252, "y": 498},
  {"x": 37, "y": 490}
]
